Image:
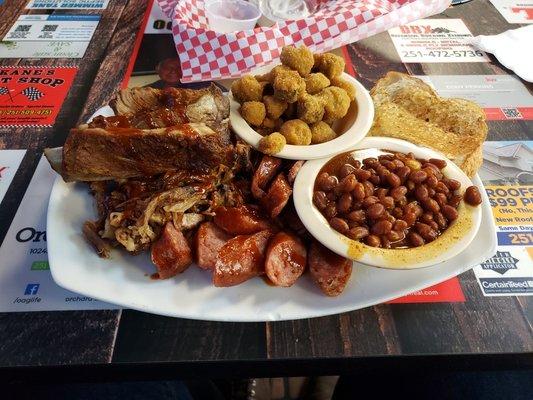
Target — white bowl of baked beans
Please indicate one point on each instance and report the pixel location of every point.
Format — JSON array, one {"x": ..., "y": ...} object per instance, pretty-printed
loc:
[{"x": 389, "y": 203}]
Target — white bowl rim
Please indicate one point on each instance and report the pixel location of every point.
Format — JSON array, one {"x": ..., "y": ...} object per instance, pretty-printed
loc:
[
  {"x": 318, "y": 227},
  {"x": 355, "y": 133}
]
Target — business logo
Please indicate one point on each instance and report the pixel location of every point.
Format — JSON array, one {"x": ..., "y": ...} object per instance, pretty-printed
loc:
[
  {"x": 423, "y": 30},
  {"x": 31, "y": 293},
  {"x": 501, "y": 262},
  {"x": 28, "y": 233},
  {"x": 31, "y": 289},
  {"x": 528, "y": 12},
  {"x": 506, "y": 285}
]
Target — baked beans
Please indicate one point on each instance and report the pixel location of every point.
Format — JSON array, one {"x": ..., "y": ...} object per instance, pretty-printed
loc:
[{"x": 392, "y": 201}]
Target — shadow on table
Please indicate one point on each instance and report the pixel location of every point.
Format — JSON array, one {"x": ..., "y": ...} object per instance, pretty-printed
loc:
[{"x": 475, "y": 385}]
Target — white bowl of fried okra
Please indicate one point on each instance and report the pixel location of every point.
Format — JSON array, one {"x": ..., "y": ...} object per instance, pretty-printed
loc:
[{"x": 305, "y": 108}]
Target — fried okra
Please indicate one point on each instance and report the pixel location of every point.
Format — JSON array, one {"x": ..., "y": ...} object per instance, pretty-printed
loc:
[
  {"x": 274, "y": 107},
  {"x": 296, "y": 132},
  {"x": 269, "y": 123},
  {"x": 268, "y": 126},
  {"x": 270, "y": 76},
  {"x": 314, "y": 83},
  {"x": 253, "y": 112},
  {"x": 336, "y": 103},
  {"x": 288, "y": 86},
  {"x": 308, "y": 101},
  {"x": 310, "y": 109},
  {"x": 290, "y": 112},
  {"x": 322, "y": 132},
  {"x": 298, "y": 58},
  {"x": 264, "y": 78},
  {"x": 272, "y": 143},
  {"x": 329, "y": 64},
  {"x": 247, "y": 89},
  {"x": 344, "y": 84}
]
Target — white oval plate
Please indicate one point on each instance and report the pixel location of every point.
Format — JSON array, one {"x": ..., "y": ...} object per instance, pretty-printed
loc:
[
  {"x": 124, "y": 279},
  {"x": 433, "y": 253},
  {"x": 353, "y": 133}
]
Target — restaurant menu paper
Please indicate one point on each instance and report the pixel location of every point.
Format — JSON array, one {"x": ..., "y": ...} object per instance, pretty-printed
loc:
[
  {"x": 32, "y": 95},
  {"x": 9, "y": 164},
  {"x": 49, "y": 36},
  {"x": 515, "y": 11},
  {"x": 507, "y": 172},
  {"x": 68, "y": 4},
  {"x": 25, "y": 280},
  {"x": 435, "y": 40},
  {"x": 502, "y": 97}
]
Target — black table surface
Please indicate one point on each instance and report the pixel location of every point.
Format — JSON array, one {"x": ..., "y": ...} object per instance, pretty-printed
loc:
[{"x": 482, "y": 332}]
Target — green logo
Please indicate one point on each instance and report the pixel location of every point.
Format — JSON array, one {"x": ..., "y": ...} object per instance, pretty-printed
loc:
[{"x": 40, "y": 266}]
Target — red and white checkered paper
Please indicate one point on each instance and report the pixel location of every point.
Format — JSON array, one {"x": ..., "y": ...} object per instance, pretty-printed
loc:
[{"x": 209, "y": 55}]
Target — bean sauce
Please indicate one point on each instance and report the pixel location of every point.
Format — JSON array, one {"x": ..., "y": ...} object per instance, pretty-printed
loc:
[{"x": 392, "y": 201}]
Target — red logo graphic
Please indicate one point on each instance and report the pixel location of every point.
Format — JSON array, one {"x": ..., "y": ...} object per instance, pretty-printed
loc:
[
  {"x": 527, "y": 10},
  {"x": 423, "y": 30},
  {"x": 32, "y": 96},
  {"x": 445, "y": 292},
  {"x": 415, "y": 29}
]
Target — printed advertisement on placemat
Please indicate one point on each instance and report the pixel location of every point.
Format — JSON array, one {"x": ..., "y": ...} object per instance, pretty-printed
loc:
[
  {"x": 515, "y": 11},
  {"x": 507, "y": 172},
  {"x": 154, "y": 61},
  {"x": 9, "y": 164},
  {"x": 31, "y": 95},
  {"x": 435, "y": 40},
  {"x": 25, "y": 280},
  {"x": 502, "y": 97},
  {"x": 445, "y": 292},
  {"x": 68, "y": 4},
  {"x": 49, "y": 36}
]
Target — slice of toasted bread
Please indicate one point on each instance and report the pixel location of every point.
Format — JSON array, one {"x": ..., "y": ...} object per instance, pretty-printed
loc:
[{"x": 409, "y": 109}]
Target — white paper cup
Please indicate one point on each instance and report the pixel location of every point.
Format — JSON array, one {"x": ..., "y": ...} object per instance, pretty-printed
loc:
[{"x": 227, "y": 16}]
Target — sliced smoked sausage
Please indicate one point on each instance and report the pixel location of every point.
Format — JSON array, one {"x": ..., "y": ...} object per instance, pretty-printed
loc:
[
  {"x": 208, "y": 240},
  {"x": 277, "y": 196},
  {"x": 285, "y": 261},
  {"x": 265, "y": 172},
  {"x": 293, "y": 171},
  {"x": 330, "y": 271},
  {"x": 240, "y": 259},
  {"x": 171, "y": 253},
  {"x": 241, "y": 220}
]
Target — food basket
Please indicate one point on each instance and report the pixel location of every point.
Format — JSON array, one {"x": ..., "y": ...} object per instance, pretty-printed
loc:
[{"x": 208, "y": 55}]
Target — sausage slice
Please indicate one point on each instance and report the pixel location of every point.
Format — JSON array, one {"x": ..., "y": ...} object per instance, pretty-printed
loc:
[
  {"x": 266, "y": 170},
  {"x": 242, "y": 220},
  {"x": 293, "y": 171},
  {"x": 240, "y": 259},
  {"x": 171, "y": 253},
  {"x": 330, "y": 271},
  {"x": 277, "y": 197},
  {"x": 208, "y": 240},
  {"x": 286, "y": 257}
]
